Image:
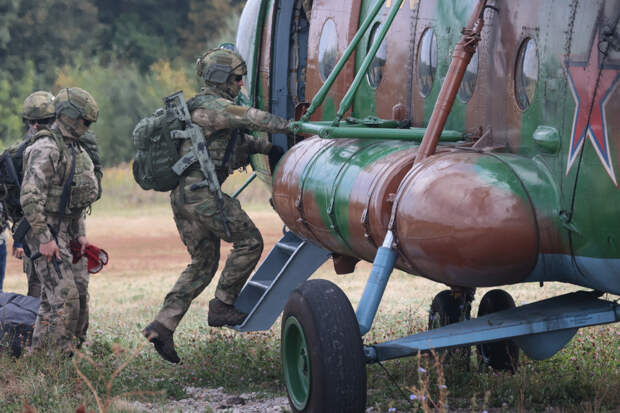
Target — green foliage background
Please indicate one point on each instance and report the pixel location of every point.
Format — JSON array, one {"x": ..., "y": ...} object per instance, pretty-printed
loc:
[{"x": 128, "y": 55}]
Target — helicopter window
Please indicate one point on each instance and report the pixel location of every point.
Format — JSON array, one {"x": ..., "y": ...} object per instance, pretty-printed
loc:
[
  {"x": 375, "y": 71},
  {"x": 469, "y": 80},
  {"x": 328, "y": 49},
  {"x": 427, "y": 61},
  {"x": 526, "y": 75}
]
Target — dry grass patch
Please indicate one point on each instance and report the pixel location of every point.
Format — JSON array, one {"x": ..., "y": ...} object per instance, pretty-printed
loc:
[{"x": 146, "y": 257}]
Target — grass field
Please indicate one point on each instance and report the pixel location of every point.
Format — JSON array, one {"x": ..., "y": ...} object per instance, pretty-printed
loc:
[{"x": 146, "y": 257}]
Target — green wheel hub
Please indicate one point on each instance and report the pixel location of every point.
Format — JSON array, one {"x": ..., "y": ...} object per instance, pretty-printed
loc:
[{"x": 296, "y": 363}]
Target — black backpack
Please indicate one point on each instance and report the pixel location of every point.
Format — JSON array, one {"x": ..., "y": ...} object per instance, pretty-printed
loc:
[
  {"x": 17, "y": 316},
  {"x": 11, "y": 175},
  {"x": 11, "y": 170}
]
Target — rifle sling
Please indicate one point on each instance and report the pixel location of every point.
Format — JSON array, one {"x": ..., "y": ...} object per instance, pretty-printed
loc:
[
  {"x": 20, "y": 231},
  {"x": 66, "y": 190},
  {"x": 229, "y": 148}
]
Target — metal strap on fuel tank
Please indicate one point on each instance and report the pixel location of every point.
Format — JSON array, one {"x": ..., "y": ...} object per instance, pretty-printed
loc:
[
  {"x": 302, "y": 184},
  {"x": 332, "y": 197}
]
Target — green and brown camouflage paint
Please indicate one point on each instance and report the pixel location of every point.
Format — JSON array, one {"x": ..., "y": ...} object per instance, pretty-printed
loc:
[{"x": 515, "y": 208}]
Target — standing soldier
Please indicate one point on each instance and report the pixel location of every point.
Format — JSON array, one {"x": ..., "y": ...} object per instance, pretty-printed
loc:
[
  {"x": 59, "y": 184},
  {"x": 38, "y": 113},
  {"x": 200, "y": 222}
]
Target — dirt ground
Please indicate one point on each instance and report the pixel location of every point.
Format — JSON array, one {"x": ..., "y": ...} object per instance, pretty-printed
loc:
[
  {"x": 141, "y": 245},
  {"x": 146, "y": 256},
  {"x": 145, "y": 246}
]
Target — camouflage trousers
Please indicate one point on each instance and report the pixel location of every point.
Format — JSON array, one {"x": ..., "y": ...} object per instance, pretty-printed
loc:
[
  {"x": 34, "y": 284},
  {"x": 63, "y": 313},
  {"x": 201, "y": 228}
]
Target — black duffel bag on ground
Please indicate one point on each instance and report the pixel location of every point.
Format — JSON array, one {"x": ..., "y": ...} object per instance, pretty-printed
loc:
[{"x": 17, "y": 315}]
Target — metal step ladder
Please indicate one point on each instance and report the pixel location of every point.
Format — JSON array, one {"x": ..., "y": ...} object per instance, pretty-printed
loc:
[{"x": 291, "y": 262}]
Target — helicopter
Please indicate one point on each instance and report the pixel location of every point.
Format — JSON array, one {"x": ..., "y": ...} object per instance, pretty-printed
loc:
[{"x": 470, "y": 142}]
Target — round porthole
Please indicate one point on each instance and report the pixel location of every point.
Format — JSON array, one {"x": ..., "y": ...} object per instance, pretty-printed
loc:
[
  {"x": 526, "y": 73},
  {"x": 328, "y": 49},
  {"x": 427, "y": 61},
  {"x": 375, "y": 71},
  {"x": 466, "y": 90}
]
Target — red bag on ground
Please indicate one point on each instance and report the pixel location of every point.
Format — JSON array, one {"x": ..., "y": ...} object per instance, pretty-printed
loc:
[{"x": 97, "y": 257}]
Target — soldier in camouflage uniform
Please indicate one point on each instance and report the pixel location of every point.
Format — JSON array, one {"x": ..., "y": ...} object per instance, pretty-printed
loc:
[
  {"x": 197, "y": 216},
  {"x": 37, "y": 113},
  {"x": 59, "y": 184}
]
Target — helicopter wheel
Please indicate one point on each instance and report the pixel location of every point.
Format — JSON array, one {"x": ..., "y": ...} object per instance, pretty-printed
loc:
[
  {"x": 500, "y": 355},
  {"x": 446, "y": 309},
  {"x": 323, "y": 359}
]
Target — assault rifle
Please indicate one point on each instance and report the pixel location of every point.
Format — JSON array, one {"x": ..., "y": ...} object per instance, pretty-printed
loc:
[{"x": 176, "y": 106}]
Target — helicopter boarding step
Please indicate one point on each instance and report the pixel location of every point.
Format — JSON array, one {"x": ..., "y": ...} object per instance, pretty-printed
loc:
[{"x": 291, "y": 262}]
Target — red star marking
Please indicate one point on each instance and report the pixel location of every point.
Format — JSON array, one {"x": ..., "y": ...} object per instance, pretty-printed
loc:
[{"x": 582, "y": 78}]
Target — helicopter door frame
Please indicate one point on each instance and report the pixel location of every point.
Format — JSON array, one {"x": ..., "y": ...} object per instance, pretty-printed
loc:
[{"x": 286, "y": 54}]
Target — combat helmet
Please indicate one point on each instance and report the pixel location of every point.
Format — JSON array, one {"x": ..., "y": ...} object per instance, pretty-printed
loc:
[
  {"x": 39, "y": 105},
  {"x": 216, "y": 65},
  {"x": 75, "y": 102}
]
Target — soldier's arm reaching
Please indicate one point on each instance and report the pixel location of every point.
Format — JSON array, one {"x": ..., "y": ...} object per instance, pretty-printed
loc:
[
  {"x": 39, "y": 168},
  {"x": 239, "y": 117}
]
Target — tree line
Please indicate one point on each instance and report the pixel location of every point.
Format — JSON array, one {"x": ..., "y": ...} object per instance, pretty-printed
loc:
[{"x": 127, "y": 54}]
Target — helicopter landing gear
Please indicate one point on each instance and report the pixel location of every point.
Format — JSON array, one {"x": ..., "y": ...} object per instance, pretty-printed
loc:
[
  {"x": 500, "y": 355},
  {"x": 448, "y": 307},
  {"x": 323, "y": 359}
]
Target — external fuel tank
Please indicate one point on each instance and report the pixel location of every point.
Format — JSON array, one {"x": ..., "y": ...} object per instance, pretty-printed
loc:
[{"x": 460, "y": 217}]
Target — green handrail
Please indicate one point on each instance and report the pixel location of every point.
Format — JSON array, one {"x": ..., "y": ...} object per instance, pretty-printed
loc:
[
  {"x": 348, "y": 98},
  {"x": 322, "y": 93},
  {"x": 245, "y": 185},
  {"x": 348, "y": 132}
]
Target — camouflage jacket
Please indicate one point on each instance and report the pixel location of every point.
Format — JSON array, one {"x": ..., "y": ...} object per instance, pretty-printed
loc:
[
  {"x": 219, "y": 117},
  {"x": 47, "y": 165}
]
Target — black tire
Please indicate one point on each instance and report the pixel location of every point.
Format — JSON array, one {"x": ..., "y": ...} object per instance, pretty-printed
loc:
[
  {"x": 500, "y": 355},
  {"x": 445, "y": 309},
  {"x": 318, "y": 318}
]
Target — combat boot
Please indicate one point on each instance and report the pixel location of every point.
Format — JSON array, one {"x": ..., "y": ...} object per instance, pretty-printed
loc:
[
  {"x": 161, "y": 337},
  {"x": 222, "y": 314}
]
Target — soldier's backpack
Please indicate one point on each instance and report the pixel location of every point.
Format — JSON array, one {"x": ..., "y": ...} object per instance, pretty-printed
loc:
[
  {"x": 11, "y": 175},
  {"x": 17, "y": 316},
  {"x": 89, "y": 143},
  {"x": 11, "y": 170},
  {"x": 156, "y": 150}
]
